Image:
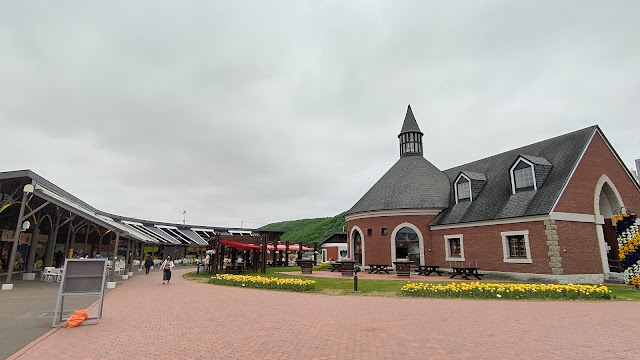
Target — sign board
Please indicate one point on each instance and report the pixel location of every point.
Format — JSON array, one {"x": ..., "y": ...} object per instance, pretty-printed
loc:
[{"x": 81, "y": 277}]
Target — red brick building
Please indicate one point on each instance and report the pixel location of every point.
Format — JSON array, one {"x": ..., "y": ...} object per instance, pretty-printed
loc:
[
  {"x": 539, "y": 212},
  {"x": 334, "y": 247}
]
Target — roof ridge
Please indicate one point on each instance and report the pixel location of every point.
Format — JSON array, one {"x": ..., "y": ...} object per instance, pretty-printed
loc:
[{"x": 592, "y": 127}]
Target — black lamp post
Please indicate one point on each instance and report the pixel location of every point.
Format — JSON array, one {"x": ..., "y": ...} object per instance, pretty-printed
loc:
[{"x": 356, "y": 269}]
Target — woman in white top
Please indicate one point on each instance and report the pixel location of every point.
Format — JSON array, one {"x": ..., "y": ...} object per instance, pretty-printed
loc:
[{"x": 166, "y": 266}]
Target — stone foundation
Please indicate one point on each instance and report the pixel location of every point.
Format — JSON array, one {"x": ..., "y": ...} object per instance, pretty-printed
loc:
[{"x": 548, "y": 278}]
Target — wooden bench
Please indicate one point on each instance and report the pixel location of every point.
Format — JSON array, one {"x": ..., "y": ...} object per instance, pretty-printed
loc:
[
  {"x": 426, "y": 270},
  {"x": 335, "y": 266},
  {"x": 233, "y": 269},
  {"x": 378, "y": 268},
  {"x": 465, "y": 272}
]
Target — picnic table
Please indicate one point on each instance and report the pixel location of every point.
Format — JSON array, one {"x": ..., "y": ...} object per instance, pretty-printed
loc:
[
  {"x": 465, "y": 272},
  {"x": 378, "y": 268},
  {"x": 233, "y": 269},
  {"x": 335, "y": 266},
  {"x": 428, "y": 269}
]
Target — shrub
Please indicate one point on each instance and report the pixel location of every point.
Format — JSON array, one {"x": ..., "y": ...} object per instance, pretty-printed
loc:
[{"x": 323, "y": 267}]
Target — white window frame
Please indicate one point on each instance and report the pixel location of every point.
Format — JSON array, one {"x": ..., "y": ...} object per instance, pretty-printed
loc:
[
  {"x": 513, "y": 179},
  {"x": 447, "y": 249},
  {"x": 455, "y": 187},
  {"x": 506, "y": 251}
]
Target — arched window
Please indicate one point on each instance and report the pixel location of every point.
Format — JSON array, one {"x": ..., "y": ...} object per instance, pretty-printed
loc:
[
  {"x": 357, "y": 248},
  {"x": 407, "y": 245}
]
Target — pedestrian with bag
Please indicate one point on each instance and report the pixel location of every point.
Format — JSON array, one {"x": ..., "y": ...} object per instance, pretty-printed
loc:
[
  {"x": 148, "y": 264},
  {"x": 166, "y": 267}
]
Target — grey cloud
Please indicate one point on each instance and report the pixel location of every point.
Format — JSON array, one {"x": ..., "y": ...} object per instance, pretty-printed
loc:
[{"x": 253, "y": 111}]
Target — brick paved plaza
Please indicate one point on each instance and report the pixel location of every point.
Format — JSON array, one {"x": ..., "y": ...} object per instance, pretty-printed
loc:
[{"x": 144, "y": 319}]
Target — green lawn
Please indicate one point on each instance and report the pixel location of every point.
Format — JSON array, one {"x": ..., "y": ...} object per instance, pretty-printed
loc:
[{"x": 389, "y": 288}]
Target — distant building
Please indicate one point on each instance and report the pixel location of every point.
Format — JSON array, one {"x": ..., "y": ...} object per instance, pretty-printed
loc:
[
  {"x": 543, "y": 211},
  {"x": 334, "y": 247}
]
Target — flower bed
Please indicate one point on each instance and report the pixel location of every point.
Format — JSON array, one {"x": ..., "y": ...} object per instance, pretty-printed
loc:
[
  {"x": 507, "y": 291},
  {"x": 263, "y": 282}
]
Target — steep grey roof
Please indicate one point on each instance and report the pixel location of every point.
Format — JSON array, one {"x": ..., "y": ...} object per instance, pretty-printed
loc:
[
  {"x": 410, "y": 124},
  {"x": 536, "y": 160},
  {"x": 411, "y": 183},
  {"x": 475, "y": 175},
  {"x": 495, "y": 201}
]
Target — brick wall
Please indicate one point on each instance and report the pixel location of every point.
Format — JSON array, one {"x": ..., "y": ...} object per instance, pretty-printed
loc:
[
  {"x": 578, "y": 197},
  {"x": 580, "y": 240},
  {"x": 481, "y": 243},
  {"x": 377, "y": 246},
  {"x": 484, "y": 245},
  {"x": 332, "y": 253}
]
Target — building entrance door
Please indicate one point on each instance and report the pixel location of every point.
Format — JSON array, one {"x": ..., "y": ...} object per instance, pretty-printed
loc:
[{"x": 611, "y": 240}]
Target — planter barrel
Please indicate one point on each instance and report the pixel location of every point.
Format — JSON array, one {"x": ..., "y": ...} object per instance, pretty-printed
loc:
[
  {"x": 403, "y": 268},
  {"x": 306, "y": 266},
  {"x": 346, "y": 267}
]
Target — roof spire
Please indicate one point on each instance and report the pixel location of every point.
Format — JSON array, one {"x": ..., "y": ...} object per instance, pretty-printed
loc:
[
  {"x": 410, "y": 124},
  {"x": 410, "y": 136}
]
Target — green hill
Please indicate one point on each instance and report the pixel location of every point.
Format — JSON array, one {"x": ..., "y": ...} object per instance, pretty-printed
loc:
[{"x": 308, "y": 230}]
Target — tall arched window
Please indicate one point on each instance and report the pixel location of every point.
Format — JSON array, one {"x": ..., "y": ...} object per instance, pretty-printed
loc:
[
  {"x": 408, "y": 245},
  {"x": 357, "y": 248}
]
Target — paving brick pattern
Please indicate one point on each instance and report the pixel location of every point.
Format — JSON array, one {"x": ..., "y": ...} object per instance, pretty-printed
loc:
[{"x": 144, "y": 319}]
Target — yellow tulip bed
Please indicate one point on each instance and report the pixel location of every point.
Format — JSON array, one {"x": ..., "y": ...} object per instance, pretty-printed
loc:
[
  {"x": 263, "y": 282},
  {"x": 507, "y": 291}
]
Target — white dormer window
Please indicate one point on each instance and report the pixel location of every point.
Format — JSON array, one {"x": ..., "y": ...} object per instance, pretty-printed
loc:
[
  {"x": 463, "y": 188},
  {"x": 523, "y": 176}
]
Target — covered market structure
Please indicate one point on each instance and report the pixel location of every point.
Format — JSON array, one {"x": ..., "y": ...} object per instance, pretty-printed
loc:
[{"x": 42, "y": 224}]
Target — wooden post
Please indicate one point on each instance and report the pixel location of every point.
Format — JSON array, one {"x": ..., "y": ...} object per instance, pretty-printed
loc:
[
  {"x": 275, "y": 251},
  {"x": 286, "y": 253},
  {"x": 263, "y": 268},
  {"x": 315, "y": 253},
  {"x": 300, "y": 250}
]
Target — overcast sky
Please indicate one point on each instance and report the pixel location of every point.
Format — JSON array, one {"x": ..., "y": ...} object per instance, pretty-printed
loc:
[{"x": 251, "y": 112}]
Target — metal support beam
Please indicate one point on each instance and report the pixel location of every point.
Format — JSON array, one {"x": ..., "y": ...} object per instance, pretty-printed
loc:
[
  {"x": 115, "y": 258},
  {"x": 127, "y": 257},
  {"x": 86, "y": 239},
  {"x": 35, "y": 210},
  {"x": 69, "y": 231},
  {"x": 31, "y": 255},
  {"x": 53, "y": 237},
  {"x": 16, "y": 237}
]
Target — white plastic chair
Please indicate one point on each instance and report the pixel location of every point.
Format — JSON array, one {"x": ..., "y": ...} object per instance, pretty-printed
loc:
[
  {"x": 119, "y": 269},
  {"x": 47, "y": 274},
  {"x": 58, "y": 274}
]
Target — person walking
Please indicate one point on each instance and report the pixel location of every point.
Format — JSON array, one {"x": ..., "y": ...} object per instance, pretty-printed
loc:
[
  {"x": 166, "y": 267},
  {"x": 148, "y": 263}
]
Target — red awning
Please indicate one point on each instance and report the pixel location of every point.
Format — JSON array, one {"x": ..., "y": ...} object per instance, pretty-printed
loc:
[
  {"x": 238, "y": 245},
  {"x": 292, "y": 247}
]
